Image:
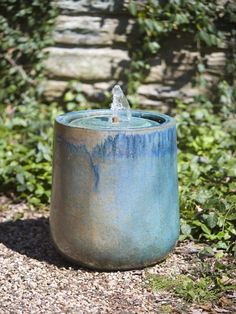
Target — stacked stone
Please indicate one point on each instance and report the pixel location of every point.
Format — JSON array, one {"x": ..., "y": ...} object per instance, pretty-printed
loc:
[{"x": 91, "y": 47}]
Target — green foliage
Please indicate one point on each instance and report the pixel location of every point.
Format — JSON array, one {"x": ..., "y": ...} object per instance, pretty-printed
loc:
[
  {"x": 74, "y": 98},
  {"x": 24, "y": 31},
  {"x": 26, "y": 135},
  {"x": 201, "y": 19},
  {"x": 25, "y": 123},
  {"x": 207, "y": 169},
  {"x": 208, "y": 285}
]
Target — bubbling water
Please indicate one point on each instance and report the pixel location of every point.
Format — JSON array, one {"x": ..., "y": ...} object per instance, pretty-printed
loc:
[
  {"x": 120, "y": 106},
  {"x": 118, "y": 117}
]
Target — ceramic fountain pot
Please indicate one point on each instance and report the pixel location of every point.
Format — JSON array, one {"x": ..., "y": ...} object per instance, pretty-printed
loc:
[{"x": 115, "y": 192}]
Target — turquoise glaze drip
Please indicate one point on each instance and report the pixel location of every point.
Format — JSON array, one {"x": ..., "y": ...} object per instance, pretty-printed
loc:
[{"x": 128, "y": 146}]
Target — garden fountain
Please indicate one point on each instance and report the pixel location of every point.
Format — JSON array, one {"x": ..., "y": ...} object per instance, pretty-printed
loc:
[{"x": 115, "y": 192}]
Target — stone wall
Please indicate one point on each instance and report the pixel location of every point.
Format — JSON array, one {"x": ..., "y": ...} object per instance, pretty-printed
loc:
[{"x": 91, "y": 47}]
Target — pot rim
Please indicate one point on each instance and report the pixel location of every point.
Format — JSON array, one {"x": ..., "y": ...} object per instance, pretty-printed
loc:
[{"x": 164, "y": 120}]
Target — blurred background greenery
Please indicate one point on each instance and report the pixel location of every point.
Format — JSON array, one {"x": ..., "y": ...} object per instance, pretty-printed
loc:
[{"x": 206, "y": 128}]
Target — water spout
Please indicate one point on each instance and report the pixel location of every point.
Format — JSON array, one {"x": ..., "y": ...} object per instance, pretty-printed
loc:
[{"x": 120, "y": 106}]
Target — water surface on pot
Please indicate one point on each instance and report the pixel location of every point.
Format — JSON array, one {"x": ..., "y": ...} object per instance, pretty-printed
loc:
[{"x": 100, "y": 120}]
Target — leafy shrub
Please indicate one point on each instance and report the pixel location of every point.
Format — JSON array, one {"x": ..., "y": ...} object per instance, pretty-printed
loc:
[
  {"x": 208, "y": 23},
  {"x": 24, "y": 31},
  {"x": 207, "y": 170},
  {"x": 25, "y": 123},
  {"x": 26, "y": 135}
]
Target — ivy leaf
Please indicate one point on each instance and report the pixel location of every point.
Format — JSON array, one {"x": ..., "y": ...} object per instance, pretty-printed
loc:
[
  {"x": 133, "y": 8},
  {"x": 69, "y": 96},
  {"x": 153, "y": 47},
  {"x": 20, "y": 178},
  {"x": 204, "y": 36},
  {"x": 202, "y": 196},
  {"x": 212, "y": 220},
  {"x": 186, "y": 229},
  {"x": 204, "y": 228}
]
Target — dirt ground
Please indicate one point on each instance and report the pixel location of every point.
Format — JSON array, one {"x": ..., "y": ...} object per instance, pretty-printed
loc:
[{"x": 34, "y": 278}]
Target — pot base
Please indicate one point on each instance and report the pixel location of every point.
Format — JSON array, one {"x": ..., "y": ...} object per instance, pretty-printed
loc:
[{"x": 111, "y": 268}]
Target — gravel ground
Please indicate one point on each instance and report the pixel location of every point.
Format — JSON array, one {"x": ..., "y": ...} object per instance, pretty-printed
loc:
[{"x": 35, "y": 279}]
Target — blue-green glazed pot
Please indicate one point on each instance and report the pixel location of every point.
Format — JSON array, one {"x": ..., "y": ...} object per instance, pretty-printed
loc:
[{"x": 115, "y": 191}]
